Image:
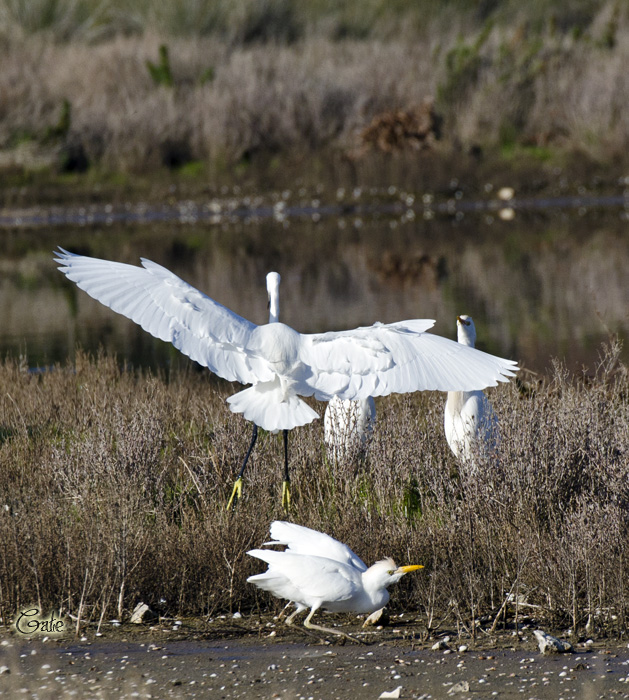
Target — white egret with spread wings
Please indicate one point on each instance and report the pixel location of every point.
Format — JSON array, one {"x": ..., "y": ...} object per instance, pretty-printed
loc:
[{"x": 280, "y": 363}]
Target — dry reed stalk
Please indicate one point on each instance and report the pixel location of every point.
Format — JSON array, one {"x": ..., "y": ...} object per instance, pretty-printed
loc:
[{"x": 94, "y": 493}]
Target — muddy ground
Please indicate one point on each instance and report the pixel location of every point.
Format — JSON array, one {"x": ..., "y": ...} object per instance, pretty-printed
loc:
[{"x": 261, "y": 658}]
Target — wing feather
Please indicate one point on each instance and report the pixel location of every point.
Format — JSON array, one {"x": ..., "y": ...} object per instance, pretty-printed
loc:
[
  {"x": 169, "y": 309},
  {"x": 375, "y": 361},
  {"x": 306, "y": 579},
  {"x": 396, "y": 358},
  {"x": 303, "y": 540}
]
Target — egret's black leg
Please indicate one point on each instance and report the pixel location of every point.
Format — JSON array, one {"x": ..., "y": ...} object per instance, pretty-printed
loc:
[
  {"x": 286, "y": 483},
  {"x": 237, "y": 490}
]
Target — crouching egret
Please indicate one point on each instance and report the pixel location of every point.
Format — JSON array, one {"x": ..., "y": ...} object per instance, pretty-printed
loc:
[
  {"x": 280, "y": 363},
  {"x": 316, "y": 571},
  {"x": 348, "y": 427},
  {"x": 470, "y": 424}
]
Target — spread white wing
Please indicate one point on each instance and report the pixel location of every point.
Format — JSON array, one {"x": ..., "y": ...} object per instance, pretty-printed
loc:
[
  {"x": 309, "y": 580},
  {"x": 396, "y": 358},
  {"x": 168, "y": 308},
  {"x": 373, "y": 361},
  {"x": 303, "y": 540}
]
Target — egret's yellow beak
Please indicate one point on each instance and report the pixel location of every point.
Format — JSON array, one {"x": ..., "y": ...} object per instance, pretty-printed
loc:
[
  {"x": 463, "y": 321},
  {"x": 407, "y": 569}
]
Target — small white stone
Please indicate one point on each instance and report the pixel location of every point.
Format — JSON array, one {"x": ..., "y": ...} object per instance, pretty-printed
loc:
[
  {"x": 551, "y": 645},
  {"x": 460, "y": 687},
  {"x": 379, "y": 618},
  {"x": 142, "y": 613}
]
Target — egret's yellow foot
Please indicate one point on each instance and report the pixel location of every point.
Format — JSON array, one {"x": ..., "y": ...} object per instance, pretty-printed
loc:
[
  {"x": 236, "y": 492},
  {"x": 286, "y": 496}
]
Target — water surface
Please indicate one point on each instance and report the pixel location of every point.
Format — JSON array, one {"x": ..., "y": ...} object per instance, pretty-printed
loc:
[{"x": 541, "y": 282}]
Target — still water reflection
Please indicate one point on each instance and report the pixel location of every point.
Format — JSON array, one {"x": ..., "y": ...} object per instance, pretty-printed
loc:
[{"x": 539, "y": 286}]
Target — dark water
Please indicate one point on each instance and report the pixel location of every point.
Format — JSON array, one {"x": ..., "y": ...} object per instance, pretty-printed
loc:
[{"x": 542, "y": 280}]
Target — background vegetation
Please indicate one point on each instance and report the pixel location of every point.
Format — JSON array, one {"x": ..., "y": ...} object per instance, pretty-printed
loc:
[
  {"x": 113, "y": 487},
  {"x": 209, "y": 84}
]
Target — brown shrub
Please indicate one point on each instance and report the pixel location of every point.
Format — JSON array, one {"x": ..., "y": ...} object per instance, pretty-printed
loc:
[
  {"x": 414, "y": 129},
  {"x": 499, "y": 84},
  {"x": 113, "y": 485}
]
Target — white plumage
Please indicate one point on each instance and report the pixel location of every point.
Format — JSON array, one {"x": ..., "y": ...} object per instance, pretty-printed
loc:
[
  {"x": 470, "y": 423},
  {"x": 348, "y": 427},
  {"x": 318, "y": 572},
  {"x": 281, "y": 364}
]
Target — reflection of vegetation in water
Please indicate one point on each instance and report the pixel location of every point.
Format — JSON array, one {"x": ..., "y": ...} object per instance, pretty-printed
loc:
[{"x": 538, "y": 286}]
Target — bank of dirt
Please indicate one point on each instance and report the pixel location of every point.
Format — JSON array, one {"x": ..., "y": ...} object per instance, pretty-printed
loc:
[{"x": 260, "y": 658}]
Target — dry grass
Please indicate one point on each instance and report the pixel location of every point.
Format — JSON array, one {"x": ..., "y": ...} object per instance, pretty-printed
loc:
[
  {"x": 241, "y": 89},
  {"x": 113, "y": 486}
]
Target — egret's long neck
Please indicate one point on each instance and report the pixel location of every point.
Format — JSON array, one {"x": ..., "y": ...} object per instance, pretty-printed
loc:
[
  {"x": 465, "y": 338},
  {"x": 274, "y": 307},
  {"x": 273, "y": 290},
  {"x": 375, "y": 591},
  {"x": 455, "y": 402}
]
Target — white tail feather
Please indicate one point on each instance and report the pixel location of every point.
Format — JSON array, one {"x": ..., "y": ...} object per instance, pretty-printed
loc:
[{"x": 268, "y": 407}]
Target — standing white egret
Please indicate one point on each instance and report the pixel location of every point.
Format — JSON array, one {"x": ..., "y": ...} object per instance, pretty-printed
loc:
[
  {"x": 316, "y": 571},
  {"x": 273, "y": 290},
  {"x": 470, "y": 424},
  {"x": 280, "y": 363},
  {"x": 348, "y": 427}
]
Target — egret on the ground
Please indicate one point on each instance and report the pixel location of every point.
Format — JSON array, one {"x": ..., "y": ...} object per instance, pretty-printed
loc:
[
  {"x": 280, "y": 363},
  {"x": 470, "y": 423},
  {"x": 318, "y": 572},
  {"x": 348, "y": 427}
]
